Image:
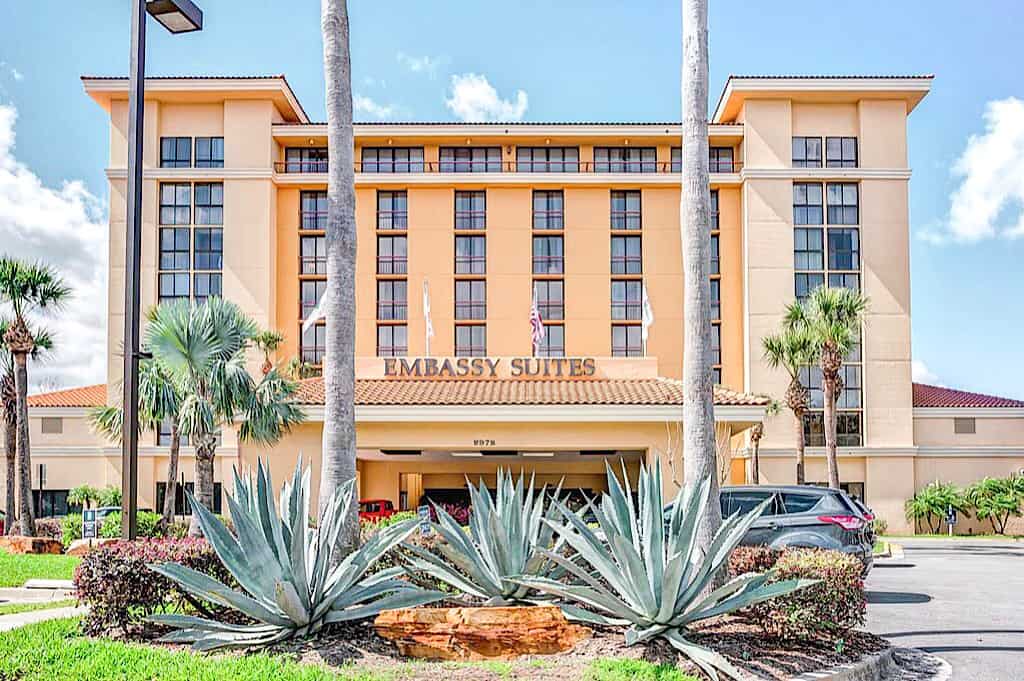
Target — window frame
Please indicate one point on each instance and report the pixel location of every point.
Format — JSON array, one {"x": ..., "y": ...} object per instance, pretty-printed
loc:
[
  {"x": 214, "y": 154},
  {"x": 471, "y": 308},
  {"x": 848, "y": 152},
  {"x": 390, "y": 218},
  {"x": 805, "y": 159},
  {"x": 174, "y": 160},
  {"x": 624, "y": 218},
  {"x": 474, "y": 218}
]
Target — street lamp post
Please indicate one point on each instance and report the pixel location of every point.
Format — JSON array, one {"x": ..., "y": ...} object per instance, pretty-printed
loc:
[{"x": 177, "y": 16}]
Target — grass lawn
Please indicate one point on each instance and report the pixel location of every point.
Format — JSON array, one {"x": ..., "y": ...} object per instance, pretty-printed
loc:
[
  {"x": 634, "y": 670},
  {"x": 53, "y": 650},
  {"x": 15, "y": 569},
  {"x": 13, "y": 608}
]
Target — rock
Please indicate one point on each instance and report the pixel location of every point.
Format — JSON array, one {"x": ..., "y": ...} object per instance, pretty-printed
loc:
[
  {"x": 19, "y": 544},
  {"x": 479, "y": 633},
  {"x": 80, "y": 547}
]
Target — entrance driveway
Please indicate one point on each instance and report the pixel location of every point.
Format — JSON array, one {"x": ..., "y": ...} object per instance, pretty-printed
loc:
[{"x": 960, "y": 600}]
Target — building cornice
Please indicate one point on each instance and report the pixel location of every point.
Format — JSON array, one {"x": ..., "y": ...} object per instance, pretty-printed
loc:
[
  {"x": 419, "y": 130},
  {"x": 822, "y": 174},
  {"x": 72, "y": 451},
  {"x": 968, "y": 412},
  {"x": 497, "y": 179},
  {"x": 843, "y": 452},
  {"x": 200, "y": 174},
  {"x": 535, "y": 414}
]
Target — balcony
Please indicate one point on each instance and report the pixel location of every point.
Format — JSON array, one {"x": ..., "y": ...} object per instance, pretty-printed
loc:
[{"x": 490, "y": 167}]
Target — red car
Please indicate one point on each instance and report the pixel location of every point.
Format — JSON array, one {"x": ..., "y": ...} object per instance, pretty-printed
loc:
[{"x": 373, "y": 510}]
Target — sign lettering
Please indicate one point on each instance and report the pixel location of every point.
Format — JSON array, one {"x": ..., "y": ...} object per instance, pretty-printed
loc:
[{"x": 488, "y": 367}]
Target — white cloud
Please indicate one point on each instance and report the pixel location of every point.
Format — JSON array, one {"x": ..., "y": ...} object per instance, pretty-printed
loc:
[
  {"x": 922, "y": 374},
  {"x": 64, "y": 227},
  {"x": 989, "y": 201},
  {"x": 474, "y": 99},
  {"x": 371, "y": 108},
  {"x": 425, "y": 64},
  {"x": 16, "y": 74}
]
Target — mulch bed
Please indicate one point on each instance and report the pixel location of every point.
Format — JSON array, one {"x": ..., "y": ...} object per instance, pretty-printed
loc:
[{"x": 743, "y": 643}]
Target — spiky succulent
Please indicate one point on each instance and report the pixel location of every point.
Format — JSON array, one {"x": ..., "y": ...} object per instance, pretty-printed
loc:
[
  {"x": 507, "y": 537},
  {"x": 647, "y": 572},
  {"x": 292, "y": 583}
]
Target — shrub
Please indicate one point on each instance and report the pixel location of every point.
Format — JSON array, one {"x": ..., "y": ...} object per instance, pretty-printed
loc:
[
  {"x": 827, "y": 609},
  {"x": 148, "y": 525},
  {"x": 48, "y": 527},
  {"x": 995, "y": 500},
  {"x": 929, "y": 504},
  {"x": 109, "y": 496},
  {"x": 746, "y": 559},
  {"x": 119, "y": 588},
  {"x": 880, "y": 526},
  {"x": 71, "y": 529},
  {"x": 458, "y": 512}
]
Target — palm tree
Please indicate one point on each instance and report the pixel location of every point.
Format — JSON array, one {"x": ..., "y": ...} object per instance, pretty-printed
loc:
[
  {"x": 756, "y": 433},
  {"x": 793, "y": 349},
  {"x": 833, "y": 318},
  {"x": 339, "y": 441},
  {"x": 695, "y": 212},
  {"x": 159, "y": 403},
  {"x": 268, "y": 342},
  {"x": 27, "y": 288},
  {"x": 201, "y": 349}
]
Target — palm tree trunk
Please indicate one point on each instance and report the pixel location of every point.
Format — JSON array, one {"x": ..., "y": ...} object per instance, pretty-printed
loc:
[
  {"x": 755, "y": 474},
  {"x": 11, "y": 452},
  {"x": 26, "y": 519},
  {"x": 172, "y": 475},
  {"x": 829, "y": 389},
  {"x": 339, "y": 438},
  {"x": 206, "y": 448},
  {"x": 798, "y": 423},
  {"x": 695, "y": 200}
]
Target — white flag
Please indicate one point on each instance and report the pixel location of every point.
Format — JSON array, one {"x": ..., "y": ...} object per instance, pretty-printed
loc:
[
  {"x": 426, "y": 315},
  {"x": 316, "y": 314},
  {"x": 646, "y": 314}
]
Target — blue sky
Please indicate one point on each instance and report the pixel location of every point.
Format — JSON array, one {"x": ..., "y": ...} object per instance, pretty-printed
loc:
[{"x": 576, "y": 60}]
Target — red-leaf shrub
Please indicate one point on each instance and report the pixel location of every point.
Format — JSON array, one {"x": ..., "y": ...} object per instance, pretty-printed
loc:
[
  {"x": 458, "y": 512},
  {"x": 828, "y": 609},
  {"x": 746, "y": 559},
  {"x": 115, "y": 582},
  {"x": 49, "y": 528}
]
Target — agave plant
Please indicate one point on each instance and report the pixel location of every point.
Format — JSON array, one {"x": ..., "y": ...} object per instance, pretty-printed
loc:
[
  {"x": 647, "y": 572},
  {"x": 293, "y": 583},
  {"x": 507, "y": 537}
]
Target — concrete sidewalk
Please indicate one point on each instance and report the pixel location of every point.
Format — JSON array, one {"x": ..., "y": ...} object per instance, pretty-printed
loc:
[{"x": 8, "y": 622}]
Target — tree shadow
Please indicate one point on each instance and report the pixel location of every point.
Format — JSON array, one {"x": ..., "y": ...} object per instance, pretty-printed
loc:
[{"x": 896, "y": 598}]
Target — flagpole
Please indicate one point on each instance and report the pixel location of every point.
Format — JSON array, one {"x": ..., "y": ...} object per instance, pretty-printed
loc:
[{"x": 428, "y": 327}]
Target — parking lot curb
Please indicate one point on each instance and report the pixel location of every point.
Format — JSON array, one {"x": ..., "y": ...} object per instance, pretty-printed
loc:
[{"x": 870, "y": 668}]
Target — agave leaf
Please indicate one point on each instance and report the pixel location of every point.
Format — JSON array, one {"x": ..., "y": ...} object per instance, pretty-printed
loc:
[
  {"x": 210, "y": 589},
  {"x": 406, "y": 598},
  {"x": 437, "y": 568},
  {"x": 708, "y": 660},
  {"x": 589, "y": 616},
  {"x": 290, "y": 603},
  {"x": 171, "y": 620},
  {"x": 580, "y": 594}
]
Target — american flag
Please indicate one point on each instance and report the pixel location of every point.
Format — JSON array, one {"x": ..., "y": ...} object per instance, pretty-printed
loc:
[{"x": 536, "y": 322}]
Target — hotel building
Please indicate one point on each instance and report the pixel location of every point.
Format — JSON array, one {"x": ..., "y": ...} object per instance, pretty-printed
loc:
[{"x": 809, "y": 187}]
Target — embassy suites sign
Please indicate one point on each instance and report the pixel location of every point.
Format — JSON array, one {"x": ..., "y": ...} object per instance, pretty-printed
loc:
[{"x": 474, "y": 368}]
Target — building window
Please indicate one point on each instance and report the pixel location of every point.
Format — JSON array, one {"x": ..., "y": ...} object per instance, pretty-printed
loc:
[
  {"x": 173, "y": 286},
  {"x": 470, "y": 210},
  {"x": 175, "y": 203},
  {"x": 392, "y": 300},
  {"x": 716, "y": 347},
  {"x": 848, "y": 429},
  {"x": 964, "y": 426},
  {"x": 714, "y": 210},
  {"x": 209, "y": 152},
  {"x": 180, "y": 507},
  {"x": 842, "y": 203},
  {"x": 392, "y": 340},
  {"x": 550, "y": 298},
  {"x": 471, "y": 299},
  {"x": 547, "y": 159},
  {"x": 51, "y": 425},
  {"x": 313, "y": 210},
  {"x": 313, "y": 254},
  {"x": 627, "y": 340},
  {"x": 310, "y": 293},
  {"x": 392, "y": 210},
  {"x": 677, "y": 159},
  {"x": 209, "y": 203},
  {"x": 471, "y": 340},
  {"x": 843, "y": 249},
  {"x": 470, "y": 255},
  {"x": 175, "y": 247},
  {"x": 840, "y": 152},
  {"x": 175, "y": 152},
  {"x": 392, "y": 255},
  {"x": 553, "y": 342},
  {"x": 163, "y": 435},
  {"x": 392, "y": 160},
  {"x": 848, "y": 418},
  {"x": 470, "y": 159},
  {"x": 806, "y": 152},
  {"x": 716, "y": 298},
  {"x": 305, "y": 160},
  {"x": 808, "y": 249},
  {"x": 52, "y": 502},
  {"x": 627, "y": 257},
  {"x": 209, "y": 249},
  {"x": 720, "y": 160},
  {"x": 548, "y": 255},
  {"x": 805, "y": 283},
  {"x": 627, "y": 299},
  {"x": 547, "y": 210},
  {"x": 626, "y": 209},
  {"x": 807, "y": 203},
  {"x": 844, "y": 280},
  {"x": 625, "y": 159},
  {"x": 715, "y": 256},
  {"x": 313, "y": 344}
]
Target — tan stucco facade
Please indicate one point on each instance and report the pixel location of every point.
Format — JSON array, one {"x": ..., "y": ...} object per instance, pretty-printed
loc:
[{"x": 755, "y": 121}]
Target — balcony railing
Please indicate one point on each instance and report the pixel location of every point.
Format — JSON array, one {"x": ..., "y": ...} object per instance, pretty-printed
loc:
[{"x": 600, "y": 167}]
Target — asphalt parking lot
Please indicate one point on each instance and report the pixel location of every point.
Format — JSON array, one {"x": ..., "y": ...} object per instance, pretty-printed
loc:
[{"x": 961, "y": 600}]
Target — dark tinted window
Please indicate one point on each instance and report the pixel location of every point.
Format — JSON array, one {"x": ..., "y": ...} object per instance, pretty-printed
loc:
[
  {"x": 744, "y": 502},
  {"x": 794, "y": 502}
]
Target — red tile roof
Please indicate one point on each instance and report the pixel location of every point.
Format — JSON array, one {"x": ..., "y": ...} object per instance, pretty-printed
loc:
[
  {"x": 937, "y": 396},
  {"x": 87, "y": 396}
]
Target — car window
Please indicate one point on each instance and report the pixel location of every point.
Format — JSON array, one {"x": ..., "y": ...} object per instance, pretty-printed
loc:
[
  {"x": 744, "y": 502},
  {"x": 794, "y": 502}
]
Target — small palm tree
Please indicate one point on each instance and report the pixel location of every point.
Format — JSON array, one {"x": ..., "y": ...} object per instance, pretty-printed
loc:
[
  {"x": 833, "y": 318},
  {"x": 26, "y": 288},
  {"x": 792, "y": 349},
  {"x": 756, "y": 433},
  {"x": 201, "y": 349},
  {"x": 268, "y": 342},
  {"x": 84, "y": 496},
  {"x": 159, "y": 403}
]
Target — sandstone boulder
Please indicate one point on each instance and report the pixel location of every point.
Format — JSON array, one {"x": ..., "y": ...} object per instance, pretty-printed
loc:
[
  {"x": 19, "y": 544},
  {"x": 80, "y": 547},
  {"x": 479, "y": 633}
]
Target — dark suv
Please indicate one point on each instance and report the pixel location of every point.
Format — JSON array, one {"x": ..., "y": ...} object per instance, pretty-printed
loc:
[{"x": 807, "y": 517}]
